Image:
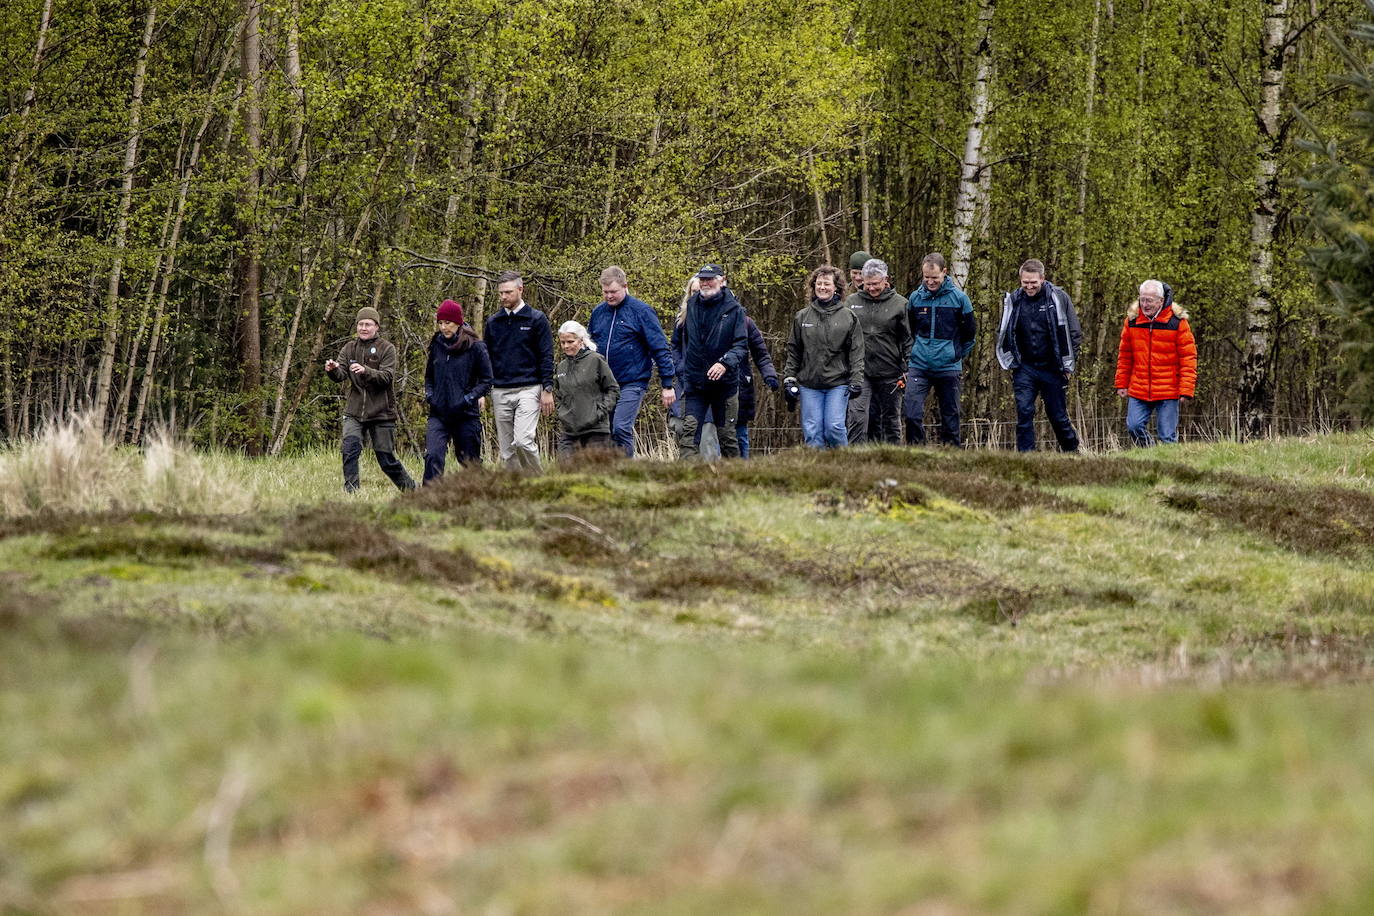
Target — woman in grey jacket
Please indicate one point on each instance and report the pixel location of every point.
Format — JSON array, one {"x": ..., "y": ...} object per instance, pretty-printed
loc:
[
  {"x": 825, "y": 358},
  {"x": 586, "y": 392}
]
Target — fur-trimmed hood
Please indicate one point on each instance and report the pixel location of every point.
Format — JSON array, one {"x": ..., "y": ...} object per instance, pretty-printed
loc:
[{"x": 1134, "y": 309}]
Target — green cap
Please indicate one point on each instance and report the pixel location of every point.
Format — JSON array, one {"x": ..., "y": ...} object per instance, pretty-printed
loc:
[{"x": 857, "y": 259}]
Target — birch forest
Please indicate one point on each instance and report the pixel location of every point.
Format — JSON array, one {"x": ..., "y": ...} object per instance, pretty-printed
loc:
[{"x": 199, "y": 194}]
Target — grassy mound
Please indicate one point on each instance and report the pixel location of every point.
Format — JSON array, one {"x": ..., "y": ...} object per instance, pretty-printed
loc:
[{"x": 855, "y": 682}]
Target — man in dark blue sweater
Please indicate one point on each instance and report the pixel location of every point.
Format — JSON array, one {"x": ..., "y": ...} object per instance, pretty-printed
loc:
[
  {"x": 520, "y": 343},
  {"x": 627, "y": 333},
  {"x": 714, "y": 346},
  {"x": 1038, "y": 341}
]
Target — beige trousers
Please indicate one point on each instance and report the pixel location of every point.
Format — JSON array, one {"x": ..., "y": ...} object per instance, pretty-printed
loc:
[{"x": 516, "y": 412}]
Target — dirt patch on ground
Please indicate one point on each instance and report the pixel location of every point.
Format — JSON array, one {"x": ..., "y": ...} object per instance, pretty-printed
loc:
[
  {"x": 1309, "y": 519},
  {"x": 167, "y": 547},
  {"x": 365, "y": 546}
]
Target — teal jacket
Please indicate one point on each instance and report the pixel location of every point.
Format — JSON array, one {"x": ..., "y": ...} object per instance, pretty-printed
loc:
[{"x": 942, "y": 328}]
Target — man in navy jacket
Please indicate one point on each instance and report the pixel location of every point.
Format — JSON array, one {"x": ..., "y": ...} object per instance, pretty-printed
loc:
[
  {"x": 715, "y": 345},
  {"x": 627, "y": 333},
  {"x": 520, "y": 343},
  {"x": 1038, "y": 341}
]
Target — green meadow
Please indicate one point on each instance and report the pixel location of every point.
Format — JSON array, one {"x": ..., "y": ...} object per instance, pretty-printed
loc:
[{"x": 873, "y": 681}]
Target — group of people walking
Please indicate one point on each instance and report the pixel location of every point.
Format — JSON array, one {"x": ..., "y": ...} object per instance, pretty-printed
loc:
[{"x": 861, "y": 362}]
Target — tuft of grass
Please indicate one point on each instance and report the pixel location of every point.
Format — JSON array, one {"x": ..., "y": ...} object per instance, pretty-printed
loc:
[{"x": 71, "y": 466}]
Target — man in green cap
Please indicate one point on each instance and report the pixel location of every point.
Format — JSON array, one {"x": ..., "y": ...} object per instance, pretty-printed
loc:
[
  {"x": 857, "y": 260},
  {"x": 367, "y": 364}
]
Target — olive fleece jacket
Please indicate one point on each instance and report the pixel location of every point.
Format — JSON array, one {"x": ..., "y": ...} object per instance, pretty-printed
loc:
[{"x": 369, "y": 397}]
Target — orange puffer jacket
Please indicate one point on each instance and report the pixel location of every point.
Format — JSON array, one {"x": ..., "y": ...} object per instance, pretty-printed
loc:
[{"x": 1158, "y": 358}]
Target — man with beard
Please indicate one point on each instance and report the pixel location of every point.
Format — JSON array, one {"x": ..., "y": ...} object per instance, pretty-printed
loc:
[{"x": 714, "y": 345}]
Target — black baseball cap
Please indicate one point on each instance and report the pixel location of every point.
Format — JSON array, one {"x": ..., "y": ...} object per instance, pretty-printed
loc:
[{"x": 709, "y": 271}]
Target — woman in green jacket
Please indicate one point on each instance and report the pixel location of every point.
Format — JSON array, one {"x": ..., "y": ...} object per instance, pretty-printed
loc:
[
  {"x": 825, "y": 360},
  {"x": 585, "y": 390}
]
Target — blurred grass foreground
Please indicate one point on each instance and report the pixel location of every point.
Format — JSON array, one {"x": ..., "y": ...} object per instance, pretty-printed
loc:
[{"x": 876, "y": 681}]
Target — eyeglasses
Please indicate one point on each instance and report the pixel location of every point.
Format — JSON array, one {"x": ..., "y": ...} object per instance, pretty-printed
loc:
[{"x": 1150, "y": 299}]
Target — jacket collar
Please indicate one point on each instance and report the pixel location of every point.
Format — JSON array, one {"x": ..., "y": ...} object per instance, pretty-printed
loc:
[
  {"x": 887, "y": 293},
  {"x": 945, "y": 286}
]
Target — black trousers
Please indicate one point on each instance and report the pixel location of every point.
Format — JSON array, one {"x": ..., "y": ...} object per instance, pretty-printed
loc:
[
  {"x": 464, "y": 432},
  {"x": 1028, "y": 383},
  {"x": 876, "y": 414},
  {"x": 568, "y": 444},
  {"x": 947, "y": 387},
  {"x": 382, "y": 436}
]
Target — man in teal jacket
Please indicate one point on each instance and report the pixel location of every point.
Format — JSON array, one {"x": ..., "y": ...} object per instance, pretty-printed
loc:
[{"x": 943, "y": 329}]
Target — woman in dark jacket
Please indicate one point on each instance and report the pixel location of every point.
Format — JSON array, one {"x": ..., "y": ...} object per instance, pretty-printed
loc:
[
  {"x": 457, "y": 376},
  {"x": 825, "y": 358},
  {"x": 758, "y": 354},
  {"x": 676, "y": 343}
]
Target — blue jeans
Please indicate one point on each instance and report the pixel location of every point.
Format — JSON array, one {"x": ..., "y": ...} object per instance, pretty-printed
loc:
[
  {"x": 823, "y": 416},
  {"x": 626, "y": 412},
  {"x": 1138, "y": 420},
  {"x": 947, "y": 386},
  {"x": 742, "y": 436},
  {"x": 1028, "y": 383}
]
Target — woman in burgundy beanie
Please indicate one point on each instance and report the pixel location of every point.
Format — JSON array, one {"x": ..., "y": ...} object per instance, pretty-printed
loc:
[
  {"x": 457, "y": 376},
  {"x": 451, "y": 311}
]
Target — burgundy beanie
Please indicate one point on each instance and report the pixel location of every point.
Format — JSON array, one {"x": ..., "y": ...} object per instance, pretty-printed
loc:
[{"x": 450, "y": 311}]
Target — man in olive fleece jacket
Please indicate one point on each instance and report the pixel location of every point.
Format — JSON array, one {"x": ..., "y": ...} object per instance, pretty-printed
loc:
[
  {"x": 876, "y": 414},
  {"x": 367, "y": 364}
]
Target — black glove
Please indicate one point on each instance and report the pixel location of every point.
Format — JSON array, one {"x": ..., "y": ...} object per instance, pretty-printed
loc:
[
  {"x": 772, "y": 382},
  {"x": 855, "y": 390},
  {"x": 791, "y": 392}
]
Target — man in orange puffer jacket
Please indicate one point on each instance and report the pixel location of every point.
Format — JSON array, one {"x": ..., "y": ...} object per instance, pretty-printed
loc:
[{"x": 1156, "y": 367}]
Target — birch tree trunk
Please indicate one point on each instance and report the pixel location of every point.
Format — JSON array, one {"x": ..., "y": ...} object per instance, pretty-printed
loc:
[
  {"x": 1256, "y": 394},
  {"x": 969, "y": 198},
  {"x": 300, "y": 170},
  {"x": 105, "y": 373},
  {"x": 317, "y": 342},
  {"x": 121, "y": 412},
  {"x": 479, "y": 298},
  {"x": 1084, "y": 160},
  {"x": 819, "y": 200},
  {"x": 250, "y": 260},
  {"x": 160, "y": 310},
  {"x": 462, "y": 176},
  {"x": 865, "y": 197}
]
